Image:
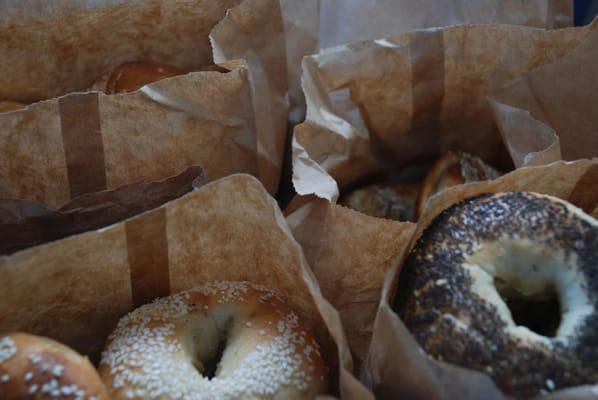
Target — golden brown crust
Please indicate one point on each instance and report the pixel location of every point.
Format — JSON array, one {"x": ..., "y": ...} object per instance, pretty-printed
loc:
[
  {"x": 33, "y": 367},
  {"x": 384, "y": 200},
  {"x": 10, "y": 106},
  {"x": 454, "y": 168},
  {"x": 266, "y": 350},
  {"x": 131, "y": 76}
]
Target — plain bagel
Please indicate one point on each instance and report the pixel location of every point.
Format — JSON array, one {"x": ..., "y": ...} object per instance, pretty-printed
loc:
[
  {"x": 131, "y": 76},
  {"x": 452, "y": 169}
]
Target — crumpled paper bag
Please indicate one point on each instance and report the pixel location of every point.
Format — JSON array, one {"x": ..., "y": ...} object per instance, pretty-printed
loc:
[
  {"x": 375, "y": 106},
  {"x": 56, "y": 150},
  {"x": 313, "y": 25},
  {"x": 76, "y": 289},
  {"x": 562, "y": 97},
  {"x": 383, "y": 103},
  {"x": 205, "y": 118},
  {"x": 255, "y": 31},
  {"x": 350, "y": 254}
]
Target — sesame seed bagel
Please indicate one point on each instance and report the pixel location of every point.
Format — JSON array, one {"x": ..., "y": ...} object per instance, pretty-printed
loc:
[
  {"x": 227, "y": 340},
  {"x": 507, "y": 284},
  {"x": 33, "y": 367}
]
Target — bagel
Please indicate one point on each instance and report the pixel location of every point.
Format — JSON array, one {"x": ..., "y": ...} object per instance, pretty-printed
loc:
[
  {"x": 227, "y": 340},
  {"x": 452, "y": 169},
  {"x": 406, "y": 201},
  {"x": 507, "y": 284},
  {"x": 131, "y": 76},
  {"x": 33, "y": 367},
  {"x": 384, "y": 200}
]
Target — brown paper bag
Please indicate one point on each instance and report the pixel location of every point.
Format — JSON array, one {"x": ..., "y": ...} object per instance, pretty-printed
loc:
[
  {"x": 395, "y": 365},
  {"x": 25, "y": 224},
  {"x": 15, "y": 10},
  {"x": 411, "y": 95},
  {"x": 350, "y": 254},
  {"x": 56, "y": 150},
  {"x": 74, "y": 290},
  {"x": 202, "y": 117},
  {"x": 312, "y": 25},
  {"x": 255, "y": 32},
  {"x": 301, "y": 24},
  {"x": 561, "y": 95},
  {"x": 383, "y": 103},
  {"x": 56, "y": 49}
]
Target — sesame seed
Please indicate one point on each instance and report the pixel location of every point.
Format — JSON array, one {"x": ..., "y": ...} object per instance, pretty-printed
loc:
[
  {"x": 57, "y": 371},
  {"x": 7, "y": 349},
  {"x": 34, "y": 358}
]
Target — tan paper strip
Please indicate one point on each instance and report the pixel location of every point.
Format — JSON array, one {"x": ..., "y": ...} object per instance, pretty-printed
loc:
[
  {"x": 426, "y": 53},
  {"x": 147, "y": 248},
  {"x": 581, "y": 195},
  {"x": 83, "y": 146}
]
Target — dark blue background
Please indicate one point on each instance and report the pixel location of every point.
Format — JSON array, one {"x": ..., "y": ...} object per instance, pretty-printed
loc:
[{"x": 584, "y": 11}]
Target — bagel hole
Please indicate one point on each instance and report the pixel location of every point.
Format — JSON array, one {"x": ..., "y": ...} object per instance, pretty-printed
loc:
[
  {"x": 208, "y": 356},
  {"x": 211, "y": 364},
  {"x": 540, "y": 312}
]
